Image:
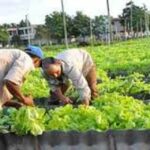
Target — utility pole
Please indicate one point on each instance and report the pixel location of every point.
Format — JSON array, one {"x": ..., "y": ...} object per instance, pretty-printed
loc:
[
  {"x": 146, "y": 20},
  {"x": 28, "y": 32},
  {"x": 130, "y": 6},
  {"x": 125, "y": 29},
  {"x": 109, "y": 21},
  {"x": 64, "y": 22},
  {"x": 125, "y": 25},
  {"x": 91, "y": 32},
  {"x": 141, "y": 28},
  {"x": 137, "y": 29},
  {"x": 131, "y": 17}
]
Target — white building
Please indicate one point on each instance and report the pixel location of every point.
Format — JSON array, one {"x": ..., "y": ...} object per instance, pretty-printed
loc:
[
  {"x": 25, "y": 33},
  {"x": 116, "y": 26}
]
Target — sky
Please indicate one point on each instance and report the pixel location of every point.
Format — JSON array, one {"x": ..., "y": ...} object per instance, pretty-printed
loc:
[{"x": 13, "y": 11}]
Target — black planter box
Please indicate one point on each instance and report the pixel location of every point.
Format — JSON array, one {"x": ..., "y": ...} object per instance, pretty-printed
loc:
[{"x": 73, "y": 140}]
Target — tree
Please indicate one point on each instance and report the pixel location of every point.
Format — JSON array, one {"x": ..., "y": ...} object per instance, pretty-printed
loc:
[
  {"x": 99, "y": 25},
  {"x": 81, "y": 25},
  {"x": 13, "y": 25},
  {"x": 16, "y": 40},
  {"x": 42, "y": 33},
  {"x": 5, "y": 25},
  {"x": 54, "y": 24},
  {"x": 4, "y": 36},
  {"x": 24, "y": 23},
  {"x": 133, "y": 17}
]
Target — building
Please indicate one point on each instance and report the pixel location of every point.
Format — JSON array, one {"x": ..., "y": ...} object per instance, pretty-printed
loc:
[
  {"x": 25, "y": 33},
  {"x": 116, "y": 26}
]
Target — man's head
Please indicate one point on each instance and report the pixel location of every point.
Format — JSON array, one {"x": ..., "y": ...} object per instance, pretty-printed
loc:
[
  {"x": 52, "y": 67},
  {"x": 35, "y": 53}
]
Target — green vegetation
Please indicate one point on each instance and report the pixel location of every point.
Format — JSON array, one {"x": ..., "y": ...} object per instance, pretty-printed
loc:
[
  {"x": 124, "y": 71},
  {"x": 111, "y": 111},
  {"x": 123, "y": 58},
  {"x": 3, "y": 36}
]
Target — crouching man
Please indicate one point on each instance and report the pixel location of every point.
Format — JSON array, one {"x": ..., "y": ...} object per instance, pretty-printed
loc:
[
  {"x": 76, "y": 65},
  {"x": 15, "y": 64}
]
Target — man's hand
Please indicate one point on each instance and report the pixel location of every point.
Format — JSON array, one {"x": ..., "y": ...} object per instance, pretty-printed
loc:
[
  {"x": 28, "y": 101},
  {"x": 85, "y": 102},
  {"x": 66, "y": 100},
  {"x": 57, "y": 94},
  {"x": 14, "y": 104}
]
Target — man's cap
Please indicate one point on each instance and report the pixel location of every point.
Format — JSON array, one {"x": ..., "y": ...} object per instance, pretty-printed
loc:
[{"x": 34, "y": 50}]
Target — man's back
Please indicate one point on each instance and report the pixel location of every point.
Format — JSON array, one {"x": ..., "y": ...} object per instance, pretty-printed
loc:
[
  {"x": 14, "y": 65},
  {"x": 9, "y": 56},
  {"x": 78, "y": 58}
]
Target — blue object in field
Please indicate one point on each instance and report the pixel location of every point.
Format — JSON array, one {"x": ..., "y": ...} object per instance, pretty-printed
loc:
[{"x": 34, "y": 50}]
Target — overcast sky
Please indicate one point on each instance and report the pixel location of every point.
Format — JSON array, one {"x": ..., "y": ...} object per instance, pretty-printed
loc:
[{"x": 12, "y": 11}]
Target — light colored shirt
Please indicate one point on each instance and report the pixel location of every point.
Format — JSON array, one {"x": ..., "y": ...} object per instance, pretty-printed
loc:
[
  {"x": 14, "y": 66},
  {"x": 76, "y": 63}
]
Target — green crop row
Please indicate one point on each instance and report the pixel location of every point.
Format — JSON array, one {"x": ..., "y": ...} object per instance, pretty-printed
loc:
[{"x": 111, "y": 111}]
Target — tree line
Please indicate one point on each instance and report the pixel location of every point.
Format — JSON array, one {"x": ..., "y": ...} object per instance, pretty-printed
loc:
[{"x": 133, "y": 18}]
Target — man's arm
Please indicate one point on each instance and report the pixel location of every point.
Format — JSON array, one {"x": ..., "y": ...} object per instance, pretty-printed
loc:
[
  {"x": 80, "y": 84},
  {"x": 85, "y": 102},
  {"x": 58, "y": 93},
  {"x": 15, "y": 77},
  {"x": 16, "y": 92},
  {"x": 55, "y": 88}
]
